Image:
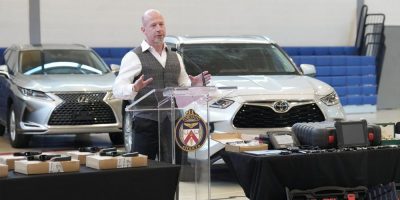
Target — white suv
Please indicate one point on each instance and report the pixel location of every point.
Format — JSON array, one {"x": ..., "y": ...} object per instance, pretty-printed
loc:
[{"x": 272, "y": 92}]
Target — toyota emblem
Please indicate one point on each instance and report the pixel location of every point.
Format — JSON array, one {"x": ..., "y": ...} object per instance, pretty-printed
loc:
[
  {"x": 281, "y": 106},
  {"x": 82, "y": 99}
]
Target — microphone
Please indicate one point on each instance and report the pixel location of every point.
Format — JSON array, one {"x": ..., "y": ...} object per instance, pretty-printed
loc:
[{"x": 185, "y": 58}]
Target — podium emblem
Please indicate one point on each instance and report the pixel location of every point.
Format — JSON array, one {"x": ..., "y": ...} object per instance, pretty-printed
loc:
[{"x": 190, "y": 131}]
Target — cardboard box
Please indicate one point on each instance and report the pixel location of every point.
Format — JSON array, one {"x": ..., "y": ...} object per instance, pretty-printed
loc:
[
  {"x": 227, "y": 137},
  {"x": 235, "y": 148},
  {"x": 3, "y": 170},
  {"x": 10, "y": 159},
  {"x": 107, "y": 162},
  {"x": 81, "y": 156},
  {"x": 40, "y": 167},
  {"x": 236, "y": 137},
  {"x": 387, "y": 130}
]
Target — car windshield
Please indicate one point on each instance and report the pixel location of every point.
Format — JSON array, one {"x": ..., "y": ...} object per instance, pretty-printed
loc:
[
  {"x": 236, "y": 59},
  {"x": 61, "y": 62}
]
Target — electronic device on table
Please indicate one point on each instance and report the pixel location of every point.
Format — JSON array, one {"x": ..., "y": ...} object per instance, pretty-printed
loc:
[
  {"x": 352, "y": 133},
  {"x": 324, "y": 134},
  {"x": 283, "y": 139}
]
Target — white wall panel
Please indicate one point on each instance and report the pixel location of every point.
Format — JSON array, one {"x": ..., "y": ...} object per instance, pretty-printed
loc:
[
  {"x": 14, "y": 22},
  {"x": 117, "y": 23}
]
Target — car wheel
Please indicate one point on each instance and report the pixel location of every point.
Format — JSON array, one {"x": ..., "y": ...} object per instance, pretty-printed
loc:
[
  {"x": 2, "y": 129},
  {"x": 17, "y": 139},
  {"x": 116, "y": 138}
]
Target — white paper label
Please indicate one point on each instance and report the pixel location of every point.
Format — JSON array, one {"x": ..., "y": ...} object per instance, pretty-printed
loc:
[
  {"x": 55, "y": 167},
  {"x": 284, "y": 139},
  {"x": 124, "y": 162},
  {"x": 387, "y": 132}
]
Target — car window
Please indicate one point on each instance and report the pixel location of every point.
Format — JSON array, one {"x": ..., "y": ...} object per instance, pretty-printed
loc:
[
  {"x": 170, "y": 45},
  {"x": 11, "y": 60},
  {"x": 61, "y": 62},
  {"x": 236, "y": 59}
]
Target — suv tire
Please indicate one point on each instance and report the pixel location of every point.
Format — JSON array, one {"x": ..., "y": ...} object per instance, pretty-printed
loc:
[
  {"x": 2, "y": 129},
  {"x": 17, "y": 139},
  {"x": 117, "y": 138}
]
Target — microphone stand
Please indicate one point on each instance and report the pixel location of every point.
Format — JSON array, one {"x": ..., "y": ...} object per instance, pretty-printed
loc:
[{"x": 192, "y": 62}]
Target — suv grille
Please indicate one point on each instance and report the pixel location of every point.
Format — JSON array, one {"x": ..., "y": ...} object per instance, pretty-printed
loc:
[
  {"x": 250, "y": 116},
  {"x": 82, "y": 109}
]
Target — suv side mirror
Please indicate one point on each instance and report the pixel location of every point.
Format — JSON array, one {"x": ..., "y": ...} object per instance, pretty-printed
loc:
[
  {"x": 308, "y": 70},
  {"x": 4, "y": 71}
]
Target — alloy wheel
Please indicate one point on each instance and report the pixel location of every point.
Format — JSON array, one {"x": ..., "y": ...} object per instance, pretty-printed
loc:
[
  {"x": 128, "y": 132},
  {"x": 12, "y": 126}
]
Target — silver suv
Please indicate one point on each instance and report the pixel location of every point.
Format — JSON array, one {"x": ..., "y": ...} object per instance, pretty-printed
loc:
[
  {"x": 57, "y": 89},
  {"x": 272, "y": 92}
]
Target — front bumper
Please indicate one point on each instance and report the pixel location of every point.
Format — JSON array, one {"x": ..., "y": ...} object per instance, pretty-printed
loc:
[
  {"x": 34, "y": 115},
  {"x": 222, "y": 121},
  {"x": 37, "y": 129}
]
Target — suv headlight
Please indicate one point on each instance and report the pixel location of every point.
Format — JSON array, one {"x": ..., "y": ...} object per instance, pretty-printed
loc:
[
  {"x": 35, "y": 94},
  {"x": 222, "y": 103},
  {"x": 330, "y": 99}
]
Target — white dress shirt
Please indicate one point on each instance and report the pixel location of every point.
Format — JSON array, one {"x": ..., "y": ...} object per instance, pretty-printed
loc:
[{"x": 132, "y": 67}]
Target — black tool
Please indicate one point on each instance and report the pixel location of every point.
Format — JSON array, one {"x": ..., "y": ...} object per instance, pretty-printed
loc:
[
  {"x": 42, "y": 157},
  {"x": 27, "y": 153},
  {"x": 108, "y": 150},
  {"x": 89, "y": 149},
  {"x": 284, "y": 152},
  {"x": 132, "y": 154},
  {"x": 111, "y": 153},
  {"x": 293, "y": 149},
  {"x": 61, "y": 158}
]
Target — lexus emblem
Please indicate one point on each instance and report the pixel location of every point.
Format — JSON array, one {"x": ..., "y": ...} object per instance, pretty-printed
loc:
[
  {"x": 82, "y": 99},
  {"x": 281, "y": 106}
]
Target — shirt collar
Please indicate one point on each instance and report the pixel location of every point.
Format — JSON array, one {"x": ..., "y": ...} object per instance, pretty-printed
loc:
[{"x": 145, "y": 46}]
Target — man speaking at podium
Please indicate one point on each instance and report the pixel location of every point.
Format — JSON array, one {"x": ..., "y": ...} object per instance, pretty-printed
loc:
[{"x": 152, "y": 66}]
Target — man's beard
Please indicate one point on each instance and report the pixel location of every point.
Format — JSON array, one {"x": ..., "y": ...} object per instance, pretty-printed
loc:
[{"x": 159, "y": 40}]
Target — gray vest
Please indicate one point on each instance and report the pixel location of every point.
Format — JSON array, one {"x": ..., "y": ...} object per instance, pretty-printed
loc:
[{"x": 162, "y": 78}]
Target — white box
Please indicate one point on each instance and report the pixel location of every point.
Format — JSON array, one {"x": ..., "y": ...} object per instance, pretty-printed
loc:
[
  {"x": 10, "y": 159},
  {"x": 3, "y": 170},
  {"x": 236, "y": 137},
  {"x": 81, "y": 156},
  {"x": 108, "y": 162},
  {"x": 45, "y": 167}
]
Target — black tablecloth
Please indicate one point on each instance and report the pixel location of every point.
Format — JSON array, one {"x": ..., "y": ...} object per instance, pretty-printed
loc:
[
  {"x": 265, "y": 177},
  {"x": 157, "y": 181}
]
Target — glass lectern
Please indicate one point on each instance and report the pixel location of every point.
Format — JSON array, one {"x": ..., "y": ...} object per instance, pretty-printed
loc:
[{"x": 183, "y": 116}]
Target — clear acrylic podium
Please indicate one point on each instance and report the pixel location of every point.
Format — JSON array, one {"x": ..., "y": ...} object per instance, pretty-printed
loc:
[{"x": 183, "y": 121}]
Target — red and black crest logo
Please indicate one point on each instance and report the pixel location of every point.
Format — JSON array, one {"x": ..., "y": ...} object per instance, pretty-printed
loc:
[{"x": 191, "y": 131}]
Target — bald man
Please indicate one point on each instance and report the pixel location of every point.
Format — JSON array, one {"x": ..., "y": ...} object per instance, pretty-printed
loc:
[{"x": 152, "y": 66}]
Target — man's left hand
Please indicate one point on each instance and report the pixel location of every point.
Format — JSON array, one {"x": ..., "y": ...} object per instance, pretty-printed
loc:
[{"x": 200, "y": 80}]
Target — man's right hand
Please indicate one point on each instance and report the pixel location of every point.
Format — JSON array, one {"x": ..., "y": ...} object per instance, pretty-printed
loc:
[{"x": 141, "y": 83}]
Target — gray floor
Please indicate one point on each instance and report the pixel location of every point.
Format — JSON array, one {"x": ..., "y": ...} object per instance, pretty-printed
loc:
[{"x": 223, "y": 185}]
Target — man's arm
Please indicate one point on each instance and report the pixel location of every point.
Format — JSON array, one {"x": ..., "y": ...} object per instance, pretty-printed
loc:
[
  {"x": 183, "y": 79},
  {"x": 131, "y": 67},
  {"x": 188, "y": 80},
  {"x": 201, "y": 79}
]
